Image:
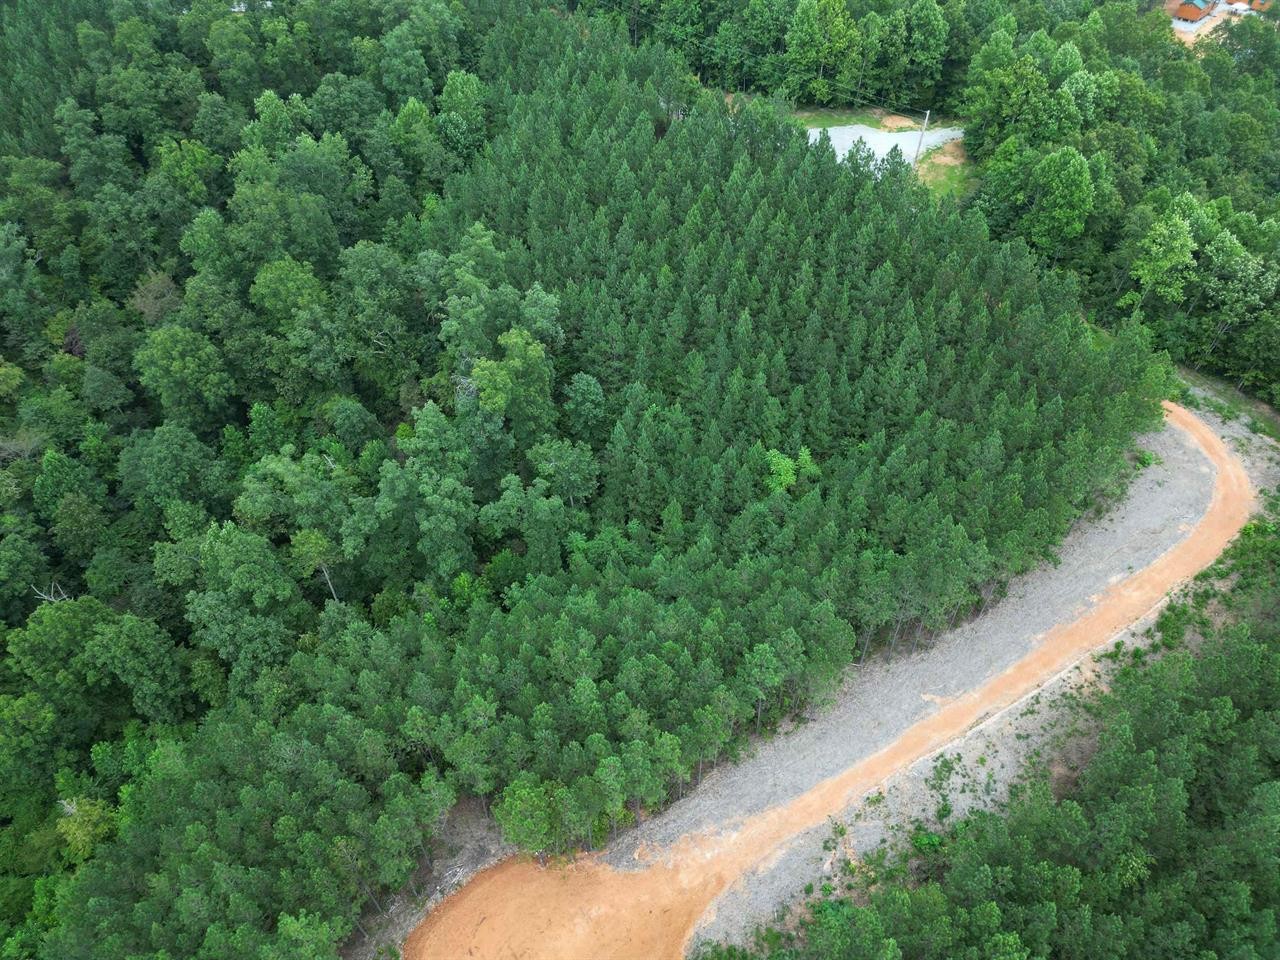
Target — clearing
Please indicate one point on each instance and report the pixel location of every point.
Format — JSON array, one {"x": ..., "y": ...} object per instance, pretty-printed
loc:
[
  {"x": 644, "y": 895},
  {"x": 947, "y": 171},
  {"x": 1192, "y": 33}
]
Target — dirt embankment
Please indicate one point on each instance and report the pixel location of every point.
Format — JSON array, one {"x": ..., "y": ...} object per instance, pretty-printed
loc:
[{"x": 598, "y": 909}]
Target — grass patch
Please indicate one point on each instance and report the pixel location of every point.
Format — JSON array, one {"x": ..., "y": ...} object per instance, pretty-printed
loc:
[
  {"x": 819, "y": 118},
  {"x": 1231, "y": 403},
  {"x": 947, "y": 171}
]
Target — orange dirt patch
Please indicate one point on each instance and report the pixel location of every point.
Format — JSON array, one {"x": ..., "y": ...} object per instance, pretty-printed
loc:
[
  {"x": 590, "y": 911},
  {"x": 892, "y": 121}
]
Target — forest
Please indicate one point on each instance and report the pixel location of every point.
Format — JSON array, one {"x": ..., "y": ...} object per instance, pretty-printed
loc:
[
  {"x": 403, "y": 400},
  {"x": 1147, "y": 171},
  {"x": 1165, "y": 847}
]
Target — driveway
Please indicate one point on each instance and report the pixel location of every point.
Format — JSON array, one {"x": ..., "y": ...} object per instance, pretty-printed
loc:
[{"x": 882, "y": 142}]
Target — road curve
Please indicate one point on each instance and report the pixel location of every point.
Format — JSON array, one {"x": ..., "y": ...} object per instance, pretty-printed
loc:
[{"x": 589, "y": 910}]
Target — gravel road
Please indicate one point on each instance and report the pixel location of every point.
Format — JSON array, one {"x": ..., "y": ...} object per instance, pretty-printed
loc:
[
  {"x": 878, "y": 702},
  {"x": 882, "y": 142},
  {"x": 644, "y": 895},
  {"x": 1161, "y": 503}
]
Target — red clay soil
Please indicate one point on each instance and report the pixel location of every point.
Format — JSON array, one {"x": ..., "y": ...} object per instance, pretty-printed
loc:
[{"x": 587, "y": 910}]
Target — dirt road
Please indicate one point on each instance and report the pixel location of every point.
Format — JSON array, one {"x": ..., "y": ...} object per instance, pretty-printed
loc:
[{"x": 595, "y": 909}]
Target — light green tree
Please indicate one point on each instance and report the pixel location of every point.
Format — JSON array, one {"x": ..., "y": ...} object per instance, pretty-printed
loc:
[
  {"x": 518, "y": 386},
  {"x": 1164, "y": 263},
  {"x": 184, "y": 370},
  {"x": 1060, "y": 190}
]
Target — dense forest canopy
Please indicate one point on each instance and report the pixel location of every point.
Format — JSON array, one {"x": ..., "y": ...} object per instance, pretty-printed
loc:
[
  {"x": 406, "y": 399},
  {"x": 1167, "y": 846},
  {"x": 1148, "y": 170}
]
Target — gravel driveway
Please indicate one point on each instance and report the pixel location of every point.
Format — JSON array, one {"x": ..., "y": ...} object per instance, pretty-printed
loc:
[{"x": 882, "y": 142}]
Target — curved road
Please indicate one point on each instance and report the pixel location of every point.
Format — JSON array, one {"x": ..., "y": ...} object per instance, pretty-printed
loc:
[{"x": 595, "y": 909}]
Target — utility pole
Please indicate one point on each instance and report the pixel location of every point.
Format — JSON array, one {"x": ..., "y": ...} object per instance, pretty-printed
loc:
[{"x": 920, "y": 142}]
